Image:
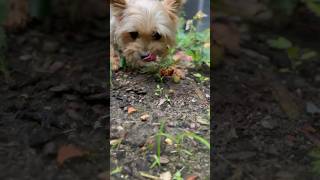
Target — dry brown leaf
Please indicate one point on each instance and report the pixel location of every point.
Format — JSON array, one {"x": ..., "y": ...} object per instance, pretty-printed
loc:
[
  {"x": 69, "y": 151},
  {"x": 192, "y": 177},
  {"x": 131, "y": 110},
  {"x": 166, "y": 72}
]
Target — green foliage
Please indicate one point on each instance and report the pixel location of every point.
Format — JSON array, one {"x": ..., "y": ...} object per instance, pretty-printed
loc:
[
  {"x": 287, "y": 7},
  {"x": 193, "y": 42},
  {"x": 315, "y": 154},
  {"x": 279, "y": 43},
  {"x": 177, "y": 175},
  {"x": 200, "y": 77},
  {"x": 116, "y": 170},
  {"x": 3, "y": 10},
  {"x": 296, "y": 54},
  {"x": 284, "y": 7},
  {"x": 158, "y": 90},
  {"x": 313, "y": 5},
  {"x": 158, "y": 142},
  {"x": 178, "y": 140}
]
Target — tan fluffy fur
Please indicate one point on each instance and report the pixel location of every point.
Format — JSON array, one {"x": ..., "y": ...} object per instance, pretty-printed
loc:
[{"x": 144, "y": 17}]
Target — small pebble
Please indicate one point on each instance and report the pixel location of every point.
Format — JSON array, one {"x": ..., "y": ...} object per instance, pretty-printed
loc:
[{"x": 145, "y": 117}]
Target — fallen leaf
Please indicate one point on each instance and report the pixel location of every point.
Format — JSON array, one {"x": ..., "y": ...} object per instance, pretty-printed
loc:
[
  {"x": 165, "y": 176},
  {"x": 166, "y": 72},
  {"x": 192, "y": 177},
  {"x": 69, "y": 151},
  {"x": 131, "y": 110},
  {"x": 145, "y": 117}
]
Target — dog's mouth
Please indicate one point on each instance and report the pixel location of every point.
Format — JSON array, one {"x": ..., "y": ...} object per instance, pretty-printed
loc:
[{"x": 150, "y": 57}]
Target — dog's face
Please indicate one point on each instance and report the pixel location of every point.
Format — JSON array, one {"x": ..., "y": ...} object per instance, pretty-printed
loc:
[{"x": 145, "y": 29}]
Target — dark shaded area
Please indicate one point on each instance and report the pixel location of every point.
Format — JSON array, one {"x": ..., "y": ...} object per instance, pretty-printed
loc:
[
  {"x": 266, "y": 118},
  {"x": 56, "y": 95}
]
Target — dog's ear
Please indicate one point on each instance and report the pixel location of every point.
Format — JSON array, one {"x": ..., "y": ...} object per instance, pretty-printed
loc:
[
  {"x": 117, "y": 6},
  {"x": 173, "y": 6}
]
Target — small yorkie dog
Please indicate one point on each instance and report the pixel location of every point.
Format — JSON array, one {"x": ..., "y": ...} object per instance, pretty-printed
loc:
[{"x": 142, "y": 30}]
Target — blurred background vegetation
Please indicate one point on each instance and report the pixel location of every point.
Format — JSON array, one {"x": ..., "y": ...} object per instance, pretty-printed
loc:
[{"x": 87, "y": 17}]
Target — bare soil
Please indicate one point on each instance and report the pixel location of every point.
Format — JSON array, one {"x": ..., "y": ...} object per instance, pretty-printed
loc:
[
  {"x": 189, "y": 102},
  {"x": 55, "y": 96}
]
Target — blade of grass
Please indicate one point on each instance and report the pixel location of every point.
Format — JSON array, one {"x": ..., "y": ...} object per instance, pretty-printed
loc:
[
  {"x": 199, "y": 138},
  {"x": 158, "y": 139},
  {"x": 116, "y": 170},
  {"x": 156, "y": 162}
]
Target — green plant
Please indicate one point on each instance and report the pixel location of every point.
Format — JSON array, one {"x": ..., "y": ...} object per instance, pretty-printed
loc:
[
  {"x": 287, "y": 7},
  {"x": 178, "y": 140},
  {"x": 158, "y": 143},
  {"x": 196, "y": 44},
  {"x": 313, "y": 5},
  {"x": 177, "y": 175},
  {"x": 296, "y": 54},
  {"x": 116, "y": 170},
  {"x": 315, "y": 154},
  {"x": 167, "y": 98},
  {"x": 200, "y": 77},
  {"x": 158, "y": 90}
]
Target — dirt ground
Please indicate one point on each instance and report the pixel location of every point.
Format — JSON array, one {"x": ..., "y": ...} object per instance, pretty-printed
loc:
[
  {"x": 189, "y": 104},
  {"x": 265, "y": 121},
  {"x": 56, "y": 96}
]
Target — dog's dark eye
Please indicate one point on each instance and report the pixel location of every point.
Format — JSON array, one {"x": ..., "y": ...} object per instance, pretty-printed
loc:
[
  {"x": 134, "y": 35},
  {"x": 156, "y": 36}
]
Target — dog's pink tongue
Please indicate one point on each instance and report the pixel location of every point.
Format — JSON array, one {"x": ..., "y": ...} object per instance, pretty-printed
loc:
[{"x": 150, "y": 57}]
